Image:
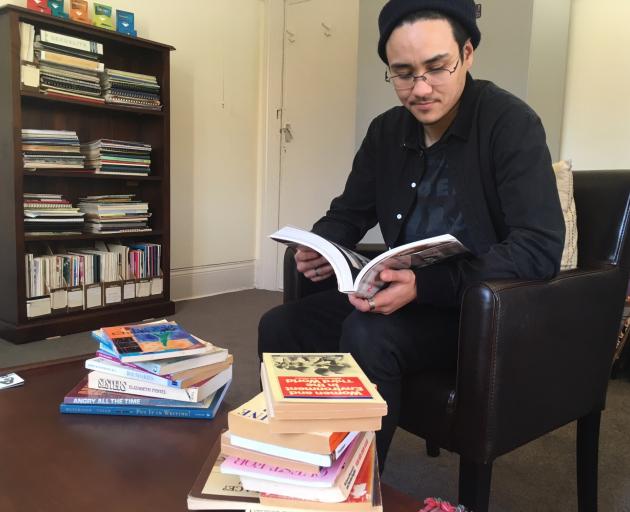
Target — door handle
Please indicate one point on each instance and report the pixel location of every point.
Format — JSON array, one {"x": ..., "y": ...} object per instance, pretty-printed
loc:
[{"x": 288, "y": 136}]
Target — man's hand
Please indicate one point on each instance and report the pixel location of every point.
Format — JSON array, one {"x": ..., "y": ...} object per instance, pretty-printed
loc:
[
  {"x": 400, "y": 292},
  {"x": 312, "y": 264}
]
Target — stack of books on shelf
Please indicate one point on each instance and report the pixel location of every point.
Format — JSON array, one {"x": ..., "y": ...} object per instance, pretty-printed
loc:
[
  {"x": 51, "y": 149},
  {"x": 51, "y": 214},
  {"x": 69, "y": 67},
  {"x": 305, "y": 443},
  {"x": 131, "y": 89},
  {"x": 154, "y": 369},
  {"x": 111, "y": 214},
  {"x": 140, "y": 260},
  {"x": 106, "y": 156}
]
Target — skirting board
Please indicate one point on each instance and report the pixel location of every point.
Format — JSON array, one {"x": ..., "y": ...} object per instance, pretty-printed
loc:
[{"x": 193, "y": 283}]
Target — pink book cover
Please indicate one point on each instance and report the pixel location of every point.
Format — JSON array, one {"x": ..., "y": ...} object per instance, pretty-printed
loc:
[{"x": 326, "y": 477}]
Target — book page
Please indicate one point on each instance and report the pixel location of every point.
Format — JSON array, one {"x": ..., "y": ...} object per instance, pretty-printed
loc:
[
  {"x": 342, "y": 260},
  {"x": 412, "y": 255}
]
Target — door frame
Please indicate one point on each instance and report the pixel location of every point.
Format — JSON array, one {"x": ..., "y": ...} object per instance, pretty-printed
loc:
[{"x": 270, "y": 145}]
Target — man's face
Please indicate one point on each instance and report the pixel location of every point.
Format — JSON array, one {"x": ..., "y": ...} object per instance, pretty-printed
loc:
[{"x": 415, "y": 48}]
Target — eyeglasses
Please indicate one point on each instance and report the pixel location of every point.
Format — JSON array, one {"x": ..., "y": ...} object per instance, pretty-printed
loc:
[{"x": 432, "y": 77}]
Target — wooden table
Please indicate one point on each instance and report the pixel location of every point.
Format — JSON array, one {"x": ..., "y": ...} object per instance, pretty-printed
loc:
[{"x": 52, "y": 462}]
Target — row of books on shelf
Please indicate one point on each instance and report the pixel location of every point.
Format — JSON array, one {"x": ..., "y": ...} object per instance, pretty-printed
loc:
[
  {"x": 69, "y": 67},
  {"x": 154, "y": 369},
  {"x": 106, "y": 274},
  {"x": 53, "y": 214},
  {"x": 307, "y": 442},
  {"x": 61, "y": 149}
]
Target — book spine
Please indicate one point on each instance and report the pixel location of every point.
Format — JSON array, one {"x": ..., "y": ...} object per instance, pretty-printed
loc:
[
  {"x": 120, "y": 371},
  {"x": 341, "y": 447},
  {"x": 138, "y": 401},
  {"x": 71, "y": 42},
  {"x": 122, "y": 410},
  {"x": 67, "y": 60},
  {"x": 112, "y": 383}
]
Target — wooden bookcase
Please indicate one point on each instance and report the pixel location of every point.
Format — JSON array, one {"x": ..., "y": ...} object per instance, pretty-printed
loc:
[{"x": 21, "y": 109}]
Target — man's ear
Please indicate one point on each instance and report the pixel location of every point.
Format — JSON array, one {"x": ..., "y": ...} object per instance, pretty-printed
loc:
[{"x": 469, "y": 53}]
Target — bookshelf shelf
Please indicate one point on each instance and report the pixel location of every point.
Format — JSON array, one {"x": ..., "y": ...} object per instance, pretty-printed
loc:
[
  {"x": 91, "y": 236},
  {"x": 38, "y": 96},
  {"x": 31, "y": 109},
  {"x": 51, "y": 173}
]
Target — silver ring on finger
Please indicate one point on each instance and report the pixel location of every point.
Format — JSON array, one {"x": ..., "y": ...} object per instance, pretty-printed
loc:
[
  {"x": 372, "y": 304},
  {"x": 316, "y": 272}
]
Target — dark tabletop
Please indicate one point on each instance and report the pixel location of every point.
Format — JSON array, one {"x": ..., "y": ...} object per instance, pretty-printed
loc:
[{"x": 52, "y": 462}]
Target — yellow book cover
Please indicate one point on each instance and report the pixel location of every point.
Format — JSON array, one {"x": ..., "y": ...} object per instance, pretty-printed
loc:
[{"x": 318, "y": 386}]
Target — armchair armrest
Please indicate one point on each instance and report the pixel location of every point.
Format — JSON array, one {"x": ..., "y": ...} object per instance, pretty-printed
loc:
[
  {"x": 297, "y": 286},
  {"x": 525, "y": 348}
]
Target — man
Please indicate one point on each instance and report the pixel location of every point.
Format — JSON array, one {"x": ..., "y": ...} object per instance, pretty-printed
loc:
[{"x": 460, "y": 156}]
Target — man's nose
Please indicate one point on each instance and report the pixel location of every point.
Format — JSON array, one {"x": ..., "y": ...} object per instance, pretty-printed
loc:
[{"x": 421, "y": 87}]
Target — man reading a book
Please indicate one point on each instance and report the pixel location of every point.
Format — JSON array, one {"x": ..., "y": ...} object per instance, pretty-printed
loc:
[{"x": 460, "y": 156}]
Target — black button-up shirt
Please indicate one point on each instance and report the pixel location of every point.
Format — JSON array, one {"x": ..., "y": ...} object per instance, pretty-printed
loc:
[{"x": 502, "y": 178}]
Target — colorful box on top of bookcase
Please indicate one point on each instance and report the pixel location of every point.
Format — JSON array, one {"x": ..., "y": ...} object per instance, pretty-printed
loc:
[
  {"x": 56, "y": 9},
  {"x": 38, "y": 6},
  {"x": 79, "y": 11},
  {"x": 103, "y": 16},
  {"x": 125, "y": 23}
]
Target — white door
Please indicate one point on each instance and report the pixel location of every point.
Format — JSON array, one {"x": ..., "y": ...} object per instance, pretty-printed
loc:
[{"x": 319, "y": 107}]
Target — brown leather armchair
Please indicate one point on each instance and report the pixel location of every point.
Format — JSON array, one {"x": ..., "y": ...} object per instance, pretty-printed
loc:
[{"x": 533, "y": 355}]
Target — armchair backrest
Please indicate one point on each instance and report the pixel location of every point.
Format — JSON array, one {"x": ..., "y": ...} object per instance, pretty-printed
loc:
[{"x": 603, "y": 215}]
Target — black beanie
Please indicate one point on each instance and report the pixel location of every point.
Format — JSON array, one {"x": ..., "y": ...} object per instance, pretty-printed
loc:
[{"x": 395, "y": 10}]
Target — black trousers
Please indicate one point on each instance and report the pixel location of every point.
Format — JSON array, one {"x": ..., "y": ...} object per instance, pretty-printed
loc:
[{"x": 387, "y": 347}]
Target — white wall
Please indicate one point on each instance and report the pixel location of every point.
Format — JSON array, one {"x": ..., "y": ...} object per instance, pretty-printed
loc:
[
  {"x": 548, "y": 57},
  {"x": 214, "y": 136},
  {"x": 596, "y": 132}
]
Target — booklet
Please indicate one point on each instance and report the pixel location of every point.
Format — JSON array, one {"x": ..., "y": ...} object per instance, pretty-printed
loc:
[
  {"x": 358, "y": 274},
  {"x": 10, "y": 380}
]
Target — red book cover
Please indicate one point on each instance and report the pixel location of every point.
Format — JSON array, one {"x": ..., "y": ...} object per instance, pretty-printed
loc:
[{"x": 323, "y": 387}]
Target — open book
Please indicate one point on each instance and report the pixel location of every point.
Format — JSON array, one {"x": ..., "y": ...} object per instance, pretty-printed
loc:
[{"x": 358, "y": 274}]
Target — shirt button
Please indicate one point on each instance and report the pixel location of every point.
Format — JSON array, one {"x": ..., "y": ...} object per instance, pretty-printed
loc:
[
  {"x": 413, "y": 184},
  {"x": 399, "y": 216}
]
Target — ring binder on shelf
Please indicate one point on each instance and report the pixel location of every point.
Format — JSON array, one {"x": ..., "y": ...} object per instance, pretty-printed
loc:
[
  {"x": 157, "y": 286},
  {"x": 93, "y": 296},
  {"x": 76, "y": 298},
  {"x": 129, "y": 290},
  {"x": 58, "y": 300},
  {"x": 38, "y": 306},
  {"x": 112, "y": 293},
  {"x": 143, "y": 287}
]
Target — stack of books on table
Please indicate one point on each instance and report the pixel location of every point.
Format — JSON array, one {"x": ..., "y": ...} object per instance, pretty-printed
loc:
[
  {"x": 118, "y": 157},
  {"x": 131, "y": 89},
  {"x": 153, "y": 369},
  {"x": 306, "y": 443},
  {"x": 51, "y": 214},
  {"x": 51, "y": 149},
  {"x": 111, "y": 214},
  {"x": 69, "y": 66}
]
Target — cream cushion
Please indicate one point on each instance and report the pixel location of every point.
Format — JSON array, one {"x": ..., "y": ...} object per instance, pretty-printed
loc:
[{"x": 564, "y": 181}]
